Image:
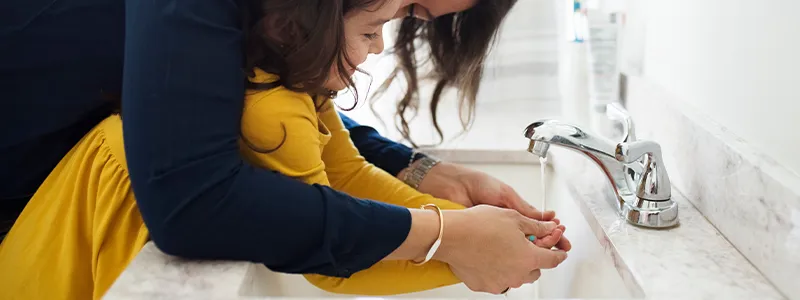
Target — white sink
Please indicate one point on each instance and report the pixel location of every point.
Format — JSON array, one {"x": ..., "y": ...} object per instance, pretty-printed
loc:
[{"x": 587, "y": 273}]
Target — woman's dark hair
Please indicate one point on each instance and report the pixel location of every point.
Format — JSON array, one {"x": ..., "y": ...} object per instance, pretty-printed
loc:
[
  {"x": 458, "y": 46},
  {"x": 298, "y": 40}
]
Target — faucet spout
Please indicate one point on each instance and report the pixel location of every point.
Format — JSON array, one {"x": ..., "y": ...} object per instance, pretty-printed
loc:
[{"x": 633, "y": 168}]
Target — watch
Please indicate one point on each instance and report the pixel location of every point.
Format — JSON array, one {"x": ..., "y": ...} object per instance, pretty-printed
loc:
[{"x": 417, "y": 172}]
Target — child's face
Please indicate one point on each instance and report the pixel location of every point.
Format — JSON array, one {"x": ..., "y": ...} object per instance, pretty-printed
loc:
[{"x": 363, "y": 31}]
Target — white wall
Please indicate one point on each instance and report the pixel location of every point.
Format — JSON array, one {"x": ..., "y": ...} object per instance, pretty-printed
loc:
[{"x": 738, "y": 61}]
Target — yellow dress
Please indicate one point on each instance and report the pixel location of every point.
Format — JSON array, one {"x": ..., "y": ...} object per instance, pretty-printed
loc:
[
  {"x": 82, "y": 226},
  {"x": 315, "y": 147},
  {"x": 80, "y": 229}
]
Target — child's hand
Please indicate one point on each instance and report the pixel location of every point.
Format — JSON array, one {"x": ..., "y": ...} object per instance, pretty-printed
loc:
[{"x": 549, "y": 241}]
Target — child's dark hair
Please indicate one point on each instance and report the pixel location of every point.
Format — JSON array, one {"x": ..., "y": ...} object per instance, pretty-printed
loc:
[{"x": 298, "y": 40}]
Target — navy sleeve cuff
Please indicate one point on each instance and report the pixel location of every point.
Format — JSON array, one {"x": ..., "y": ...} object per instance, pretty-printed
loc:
[
  {"x": 388, "y": 228},
  {"x": 386, "y": 154}
]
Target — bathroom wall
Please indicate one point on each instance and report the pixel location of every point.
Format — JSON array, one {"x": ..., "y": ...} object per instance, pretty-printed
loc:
[
  {"x": 735, "y": 60},
  {"x": 715, "y": 83}
]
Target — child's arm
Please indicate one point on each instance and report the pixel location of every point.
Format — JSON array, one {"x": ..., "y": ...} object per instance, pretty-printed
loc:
[{"x": 349, "y": 172}]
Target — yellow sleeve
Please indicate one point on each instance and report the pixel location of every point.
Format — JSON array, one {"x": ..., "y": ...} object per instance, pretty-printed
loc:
[
  {"x": 351, "y": 173},
  {"x": 388, "y": 278},
  {"x": 282, "y": 126}
]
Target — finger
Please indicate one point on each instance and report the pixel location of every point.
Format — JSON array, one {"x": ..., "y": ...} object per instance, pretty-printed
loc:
[
  {"x": 533, "y": 276},
  {"x": 548, "y": 259},
  {"x": 562, "y": 227},
  {"x": 532, "y": 212},
  {"x": 515, "y": 202},
  {"x": 549, "y": 241},
  {"x": 547, "y": 215},
  {"x": 564, "y": 244},
  {"x": 536, "y": 228}
]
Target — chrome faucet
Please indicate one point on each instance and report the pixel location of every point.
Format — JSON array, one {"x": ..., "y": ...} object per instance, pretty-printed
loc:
[{"x": 634, "y": 168}]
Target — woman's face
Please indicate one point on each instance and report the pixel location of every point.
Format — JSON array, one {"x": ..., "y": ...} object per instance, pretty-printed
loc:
[
  {"x": 429, "y": 9},
  {"x": 363, "y": 31},
  {"x": 363, "y": 28}
]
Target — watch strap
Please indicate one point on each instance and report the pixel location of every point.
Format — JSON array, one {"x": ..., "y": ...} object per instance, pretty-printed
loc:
[{"x": 419, "y": 169}]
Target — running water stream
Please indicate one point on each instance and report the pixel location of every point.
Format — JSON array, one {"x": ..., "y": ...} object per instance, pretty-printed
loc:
[{"x": 542, "y": 207}]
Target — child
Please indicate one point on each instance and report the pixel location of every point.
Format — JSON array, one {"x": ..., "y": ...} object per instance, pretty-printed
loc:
[{"x": 300, "y": 134}]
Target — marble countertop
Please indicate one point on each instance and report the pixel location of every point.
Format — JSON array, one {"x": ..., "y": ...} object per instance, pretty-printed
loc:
[
  {"x": 155, "y": 275},
  {"x": 692, "y": 260}
]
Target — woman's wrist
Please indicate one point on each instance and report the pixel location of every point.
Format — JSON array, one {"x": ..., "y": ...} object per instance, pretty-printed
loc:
[
  {"x": 424, "y": 232},
  {"x": 453, "y": 233}
]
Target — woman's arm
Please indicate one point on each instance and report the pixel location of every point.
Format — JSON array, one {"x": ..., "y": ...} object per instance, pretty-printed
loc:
[
  {"x": 183, "y": 98},
  {"x": 384, "y": 153}
]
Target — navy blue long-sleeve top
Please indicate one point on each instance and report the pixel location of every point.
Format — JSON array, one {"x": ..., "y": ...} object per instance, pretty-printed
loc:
[{"x": 177, "y": 65}]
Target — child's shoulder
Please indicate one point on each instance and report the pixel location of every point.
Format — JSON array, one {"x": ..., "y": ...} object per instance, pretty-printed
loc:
[{"x": 280, "y": 98}]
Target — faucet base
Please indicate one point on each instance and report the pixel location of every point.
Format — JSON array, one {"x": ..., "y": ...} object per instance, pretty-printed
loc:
[{"x": 651, "y": 214}]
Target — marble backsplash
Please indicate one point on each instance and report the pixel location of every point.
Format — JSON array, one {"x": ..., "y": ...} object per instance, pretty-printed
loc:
[{"x": 747, "y": 196}]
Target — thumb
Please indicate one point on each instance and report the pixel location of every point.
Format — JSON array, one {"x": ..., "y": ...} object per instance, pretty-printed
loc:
[
  {"x": 548, "y": 259},
  {"x": 515, "y": 202},
  {"x": 536, "y": 228}
]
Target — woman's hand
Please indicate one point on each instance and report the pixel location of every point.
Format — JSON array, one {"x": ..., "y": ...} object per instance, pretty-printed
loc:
[
  {"x": 470, "y": 187},
  {"x": 487, "y": 248}
]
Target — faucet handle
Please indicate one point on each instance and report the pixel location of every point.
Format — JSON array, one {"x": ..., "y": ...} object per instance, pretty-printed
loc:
[
  {"x": 654, "y": 183},
  {"x": 616, "y": 112},
  {"x": 633, "y": 151}
]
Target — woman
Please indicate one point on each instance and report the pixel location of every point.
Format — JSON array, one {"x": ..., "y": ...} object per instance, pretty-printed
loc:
[{"x": 182, "y": 81}]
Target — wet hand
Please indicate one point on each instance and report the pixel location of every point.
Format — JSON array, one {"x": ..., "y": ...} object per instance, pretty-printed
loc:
[
  {"x": 488, "y": 249},
  {"x": 470, "y": 188}
]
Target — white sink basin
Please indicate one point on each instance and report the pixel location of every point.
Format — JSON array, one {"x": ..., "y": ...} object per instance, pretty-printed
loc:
[{"x": 587, "y": 273}]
